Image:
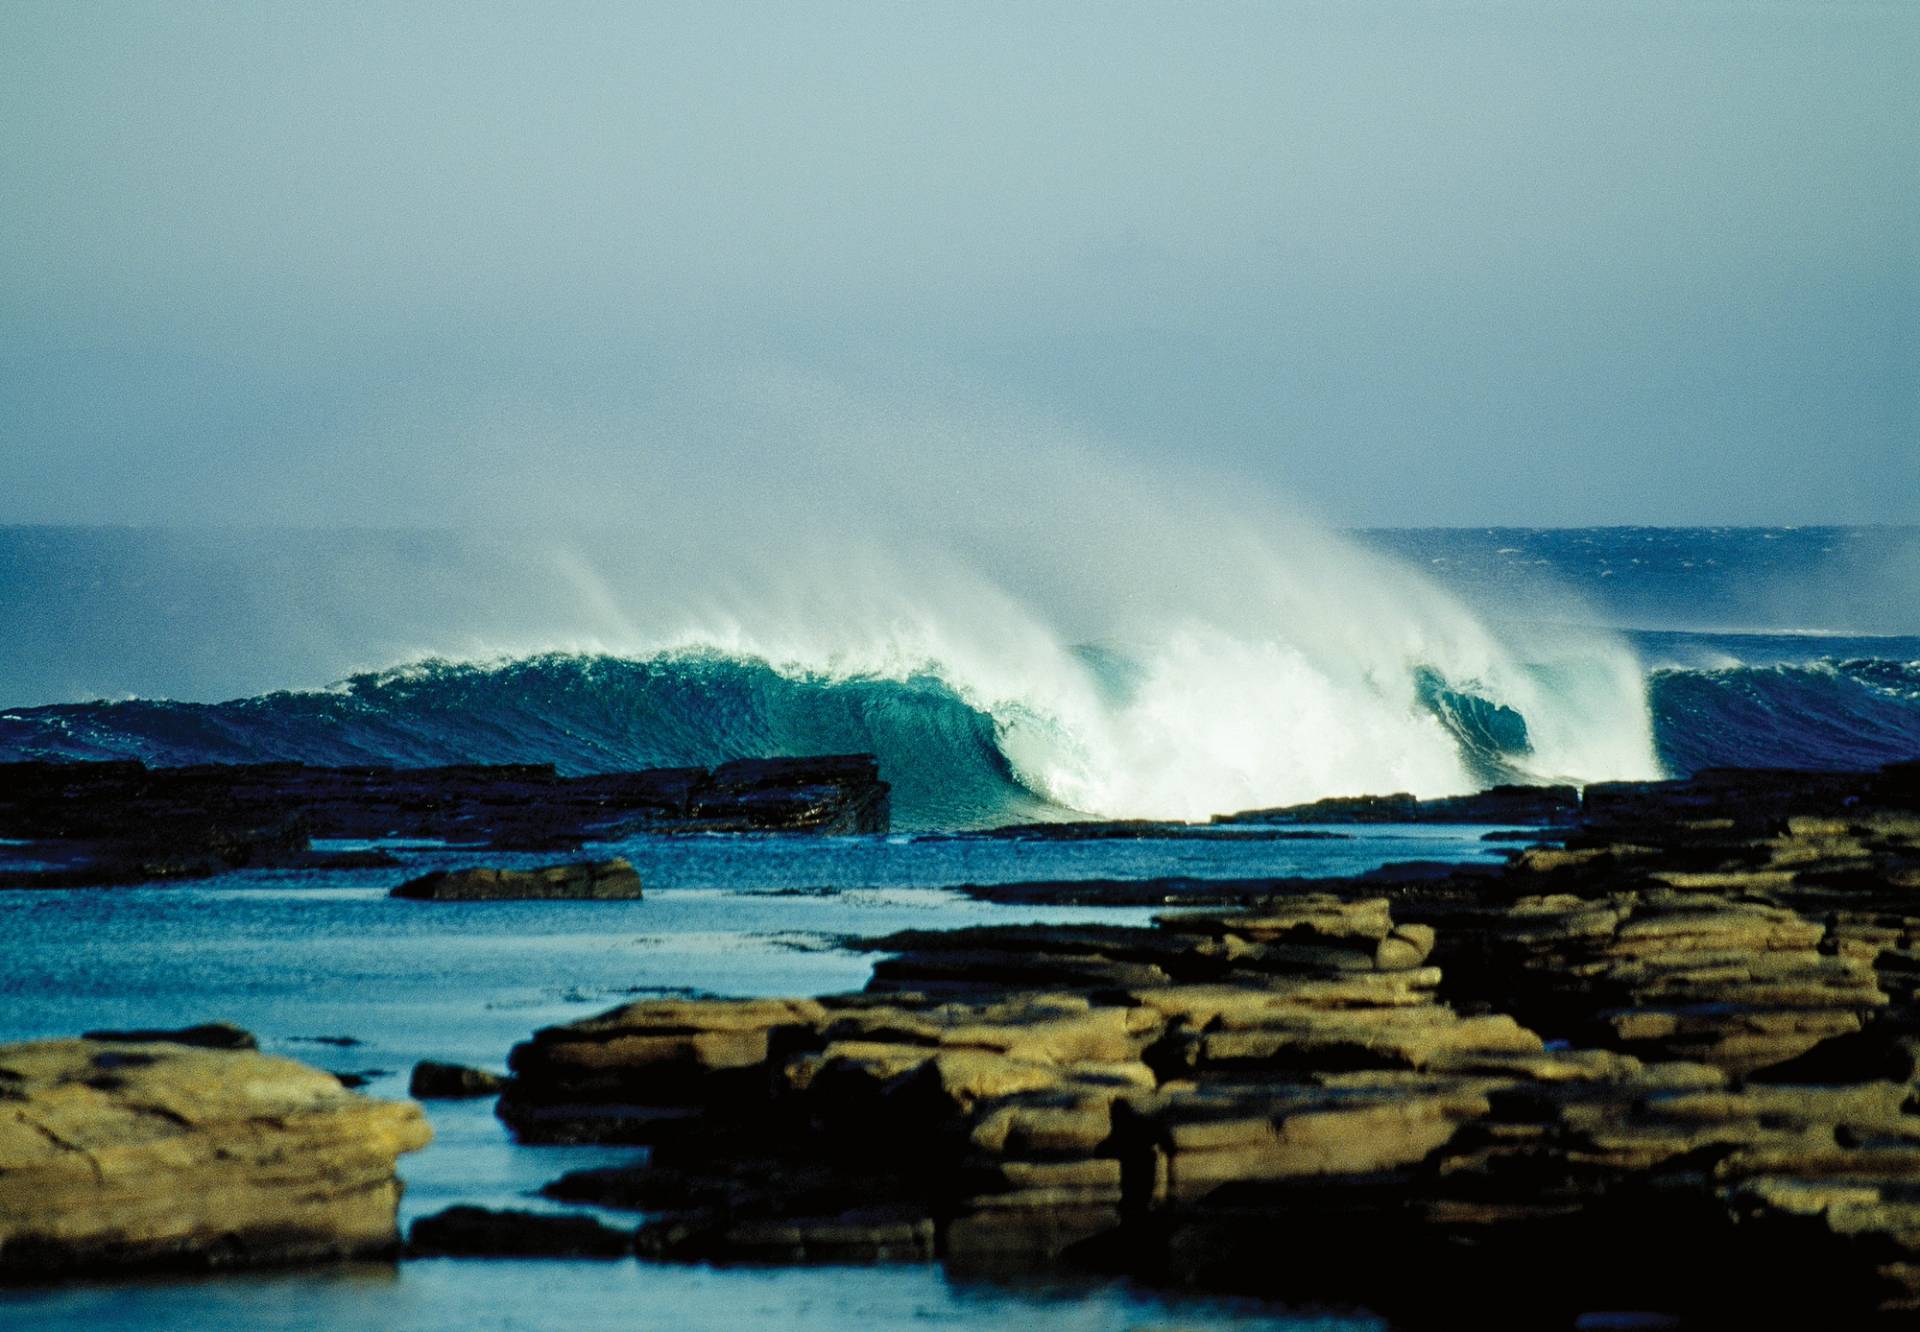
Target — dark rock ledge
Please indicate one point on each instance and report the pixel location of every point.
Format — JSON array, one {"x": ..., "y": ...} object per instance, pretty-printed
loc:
[
  {"x": 122, "y": 822},
  {"x": 1670, "y": 1066}
]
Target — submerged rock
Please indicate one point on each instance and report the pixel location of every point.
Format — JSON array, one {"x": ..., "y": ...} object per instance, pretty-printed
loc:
[
  {"x": 1498, "y": 804},
  {"x": 590, "y": 880},
  {"x": 479, "y": 1232},
  {"x": 117, "y": 1155}
]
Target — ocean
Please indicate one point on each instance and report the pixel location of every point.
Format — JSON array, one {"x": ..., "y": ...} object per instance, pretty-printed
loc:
[
  {"x": 1425, "y": 660},
  {"x": 1477, "y": 655}
]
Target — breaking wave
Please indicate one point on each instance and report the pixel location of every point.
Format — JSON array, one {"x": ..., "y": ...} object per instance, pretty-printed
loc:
[
  {"x": 1196, "y": 728},
  {"x": 959, "y": 760}
]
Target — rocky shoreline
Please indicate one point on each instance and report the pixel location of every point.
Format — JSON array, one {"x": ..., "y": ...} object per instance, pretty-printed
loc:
[
  {"x": 1665, "y": 1059},
  {"x": 1669, "y": 1064}
]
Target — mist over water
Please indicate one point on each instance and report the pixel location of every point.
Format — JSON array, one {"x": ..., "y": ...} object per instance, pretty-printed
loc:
[{"x": 1018, "y": 626}]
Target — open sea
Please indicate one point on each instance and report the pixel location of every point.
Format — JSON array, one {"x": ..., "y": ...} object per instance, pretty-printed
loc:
[{"x": 1439, "y": 661}]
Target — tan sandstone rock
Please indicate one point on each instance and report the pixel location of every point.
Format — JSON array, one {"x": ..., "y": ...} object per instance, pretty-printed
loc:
[{"x": 117, "y": 1155}]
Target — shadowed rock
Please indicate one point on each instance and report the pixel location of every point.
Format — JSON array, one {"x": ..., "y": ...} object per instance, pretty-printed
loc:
[
  {"x": 210, "y": 1035},
  {"x": 588, "y": 881},
  {"x": 1499, "y": 804},
  {"x": 434, "y": 1081}
]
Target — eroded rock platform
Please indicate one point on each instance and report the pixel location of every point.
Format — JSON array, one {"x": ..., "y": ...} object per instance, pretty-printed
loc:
[{"x": 1668, "y": 1064}]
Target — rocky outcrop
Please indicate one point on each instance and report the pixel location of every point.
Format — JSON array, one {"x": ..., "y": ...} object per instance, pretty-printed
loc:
[
  {"x": 117, "y": 1155},
  {"x": 1009, "y": 1130},
  {"x": 584, "y": 881},
  {"x": 122, "y": 822},
  {"x": 1498, "y": 804},
  {"x": 1668, "y": 1065},
  {"x": 212, "y": 1035}
]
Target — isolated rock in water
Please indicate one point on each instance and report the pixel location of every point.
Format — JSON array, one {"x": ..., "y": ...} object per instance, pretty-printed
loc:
[
  {"x": 434, "y": 1081},
  {"x": 208, "y": 1035},
  {"x": 597, "y": 881},
  {"x": 121, "y": 1155},
  {"x": 478, "y": 1232}
]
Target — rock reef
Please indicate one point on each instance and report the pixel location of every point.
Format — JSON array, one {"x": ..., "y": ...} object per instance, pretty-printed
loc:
[
  {"x": 121, "y": 822},
  {"x": 1669, "y": 1064},
  {"x": 122, "y": 1155}
]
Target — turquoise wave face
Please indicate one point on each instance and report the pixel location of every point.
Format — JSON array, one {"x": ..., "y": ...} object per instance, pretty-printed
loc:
[
  {"x": 579, "y": 713},
  {"x": 944, "y": 757}
]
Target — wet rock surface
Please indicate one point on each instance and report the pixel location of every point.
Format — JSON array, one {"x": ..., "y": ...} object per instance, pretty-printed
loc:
[
  {"x": 122, "y": 822},
  {"x": 1669, "y": 1064},
  {"x": 584, "y": 881},
  {"x": 120, "y": 1155}
]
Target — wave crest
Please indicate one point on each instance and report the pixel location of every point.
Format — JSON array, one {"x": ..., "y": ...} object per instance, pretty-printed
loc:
[{"x": 1199, "y": 728}]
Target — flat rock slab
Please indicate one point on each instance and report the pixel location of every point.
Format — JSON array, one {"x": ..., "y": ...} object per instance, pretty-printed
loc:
[
  {"x": 118, "y": 1155},
  {"x": 585, "y": 881}
]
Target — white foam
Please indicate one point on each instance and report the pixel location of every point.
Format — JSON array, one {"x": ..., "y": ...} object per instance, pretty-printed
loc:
[
  {"x": 1268, "y": 660},
  {"x": 1281, "y": 671}
]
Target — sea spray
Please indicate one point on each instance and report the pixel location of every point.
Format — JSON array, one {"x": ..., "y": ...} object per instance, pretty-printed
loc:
[{"x": 1015, "y": 620}]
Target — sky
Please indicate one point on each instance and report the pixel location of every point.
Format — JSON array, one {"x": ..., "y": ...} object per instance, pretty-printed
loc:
[{"x": 1394, "y": 263}]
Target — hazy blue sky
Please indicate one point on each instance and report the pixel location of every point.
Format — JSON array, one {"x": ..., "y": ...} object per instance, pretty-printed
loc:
[{"x": 1410, "y": 263}]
